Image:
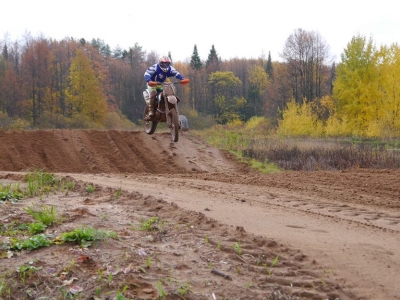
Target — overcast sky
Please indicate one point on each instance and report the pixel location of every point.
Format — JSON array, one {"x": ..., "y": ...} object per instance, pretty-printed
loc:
[{"x": 243, "y": 29}]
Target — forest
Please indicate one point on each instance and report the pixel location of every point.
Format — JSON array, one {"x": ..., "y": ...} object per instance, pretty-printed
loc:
[{"x": 74, "y": 83}]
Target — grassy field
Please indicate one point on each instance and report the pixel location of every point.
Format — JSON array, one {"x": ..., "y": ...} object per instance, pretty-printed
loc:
[{"x": 268, "y": 152}]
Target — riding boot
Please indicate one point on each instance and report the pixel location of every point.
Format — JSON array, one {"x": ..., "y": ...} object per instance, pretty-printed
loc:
[{"x": 150, "y": 114}]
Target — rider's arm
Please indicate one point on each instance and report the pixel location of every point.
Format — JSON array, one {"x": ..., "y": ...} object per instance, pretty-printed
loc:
[
  {"x": 175, "y": 73},
  {"x": 150, "y": 73}
]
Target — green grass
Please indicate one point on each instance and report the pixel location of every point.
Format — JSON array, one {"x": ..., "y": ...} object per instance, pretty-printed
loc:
[
  {"x": 257, "y": 146},
  {"x": 183, "y": 289},
  {"x": 26, "y": 271},
  {"x": 235, "y": 143},
  {"x": 236, "y": 247},
  {"x": 85, "y": 236},
  {"x": 46, "y": 215},
  {"x": 11, "y": 193},
  {"x": 149, "y": 224},
  {"x": 90, "y": 188},
  {"x": 5, "y": 288},
  {"x": 40, "y": 182},
  {"x": 13, "y": 229},
  {"x": 161, "y": 290},
  {"x": 273, "y": 263}
]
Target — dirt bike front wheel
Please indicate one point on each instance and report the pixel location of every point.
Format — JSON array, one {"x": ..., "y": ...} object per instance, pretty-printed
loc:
[
  {"x": 174, "y": 125},
  {"x": 149, "y": 126}
]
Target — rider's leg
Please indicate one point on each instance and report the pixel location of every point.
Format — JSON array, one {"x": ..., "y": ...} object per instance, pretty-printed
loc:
[
  {"x": 150, "y": 104},
  {"x": 150, "y": 115}
]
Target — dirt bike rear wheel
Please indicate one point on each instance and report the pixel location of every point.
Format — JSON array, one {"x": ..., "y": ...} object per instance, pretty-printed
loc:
[
  {"x": 149, "y": 126},
  {"x": 174, "y": 125}
]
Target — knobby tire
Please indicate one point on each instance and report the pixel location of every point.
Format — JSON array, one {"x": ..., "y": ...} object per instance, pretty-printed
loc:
[
  {"x": 174, "y": 125},
  {"x": 149, "y": 126}
]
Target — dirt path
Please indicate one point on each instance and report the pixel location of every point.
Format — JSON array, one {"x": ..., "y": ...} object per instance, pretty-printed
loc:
[
  {"x": 348, "y": 240},
  {"x": 348, "y": 222}
]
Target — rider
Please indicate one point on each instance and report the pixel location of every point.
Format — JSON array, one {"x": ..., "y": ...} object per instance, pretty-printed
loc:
[{"x": 159, "y": 73}]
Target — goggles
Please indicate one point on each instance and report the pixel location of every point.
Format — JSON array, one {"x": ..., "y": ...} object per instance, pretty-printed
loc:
[{"x": 164, "y": 64}]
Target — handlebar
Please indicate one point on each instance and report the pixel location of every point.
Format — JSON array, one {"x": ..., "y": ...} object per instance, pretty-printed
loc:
[{"x": 155, "y": 83}]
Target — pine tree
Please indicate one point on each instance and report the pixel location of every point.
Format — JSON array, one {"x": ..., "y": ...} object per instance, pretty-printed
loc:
[
  {"x": 212, "y": 63},
  {"x": 117, "y": 52},
  {"x": 5, "y": 52},
  {"x": 269, "y": 68},
  {"x": 195, "y": 61},
  {"x": 258, "y": 82}
]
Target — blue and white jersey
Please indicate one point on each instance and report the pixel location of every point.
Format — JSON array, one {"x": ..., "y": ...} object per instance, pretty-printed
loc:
[{"x": 154, "y": 73}]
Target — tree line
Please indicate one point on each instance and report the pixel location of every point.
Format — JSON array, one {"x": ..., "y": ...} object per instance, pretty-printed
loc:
[
  {"x": 71, "y": 83},
  {"x": 74, "y": 83},
  {"x": 365, "y": 98}
]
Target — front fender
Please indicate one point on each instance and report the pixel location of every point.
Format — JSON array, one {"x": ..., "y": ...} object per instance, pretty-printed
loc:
[{"x": 172, "y": 99}]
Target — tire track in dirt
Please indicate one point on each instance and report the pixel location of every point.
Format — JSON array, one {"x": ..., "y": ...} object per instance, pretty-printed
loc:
[
  {"x": 82, "y": 143},
  {"x": 384, "y": 219},
  {"x": 366, "y": 256},
  {"x": 181, "y": 251}
]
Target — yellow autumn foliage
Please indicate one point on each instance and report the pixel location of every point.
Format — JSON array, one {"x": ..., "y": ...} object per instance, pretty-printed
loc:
[
  {"x": 84, "y": 93},
  {"x": 335, "y": 127},
  {"x": 298, "y": 120},
  {"x": 367, "y": 89}
]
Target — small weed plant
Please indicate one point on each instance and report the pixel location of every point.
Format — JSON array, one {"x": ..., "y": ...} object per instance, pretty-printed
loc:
[
  {"x": 13, "y": 229},
  {"x": 148, "y": 262},
  {"x": 85, "y": 236},
  {"x": 183, "y": 289},
  {"x": 40, "y": 182},
  {"x": 120, "y": 294},
  {"x": 31, "y": 243},
  {"x": 67, "y": 186},
  {"x": 90, "y": 188},
  {"x": 11, "y": 193},
  {"x": 161, "y": 290},
  {"x": 273, "y": 263},
  {"x": 5, "y": 289},
  {"x": 44, "y": 214},
  {"x": 236, "y": 247},
  {"x": 65, "y": 294},
  {"x": 152, "y": 223},
  {"x": 100, "y": 275},
  {"x": 35, "y": 228},
  {"x": 110, "y": 278},
  {"x": 25, "y": 271},
  {"x": 118, "y": 193}
]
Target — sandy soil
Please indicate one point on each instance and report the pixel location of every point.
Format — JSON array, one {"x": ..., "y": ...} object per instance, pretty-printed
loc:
[{"x": 335, "y": 234}]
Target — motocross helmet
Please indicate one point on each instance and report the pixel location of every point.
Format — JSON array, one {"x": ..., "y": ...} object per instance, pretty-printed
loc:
[{"x": 164, "y": 62}]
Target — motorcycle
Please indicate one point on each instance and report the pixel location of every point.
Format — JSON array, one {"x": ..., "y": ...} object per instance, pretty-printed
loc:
[{"x": 166, "y": 109}]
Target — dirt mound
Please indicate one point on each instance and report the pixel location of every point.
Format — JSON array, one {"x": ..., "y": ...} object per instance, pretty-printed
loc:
[{"x": 111, "y": 151}]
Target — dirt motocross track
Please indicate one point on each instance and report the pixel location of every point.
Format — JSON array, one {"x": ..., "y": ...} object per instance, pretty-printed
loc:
[{"x": 337, "y": 234}]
